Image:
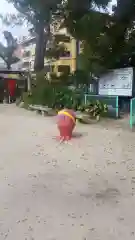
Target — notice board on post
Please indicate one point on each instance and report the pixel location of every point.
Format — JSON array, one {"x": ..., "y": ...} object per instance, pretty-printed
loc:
[{"x": 117, "y": 82}]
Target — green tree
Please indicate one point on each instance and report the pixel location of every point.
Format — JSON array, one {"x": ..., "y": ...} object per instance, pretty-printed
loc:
[
  {"x": 125, "y": 10},
  {"x": 93, "y": 31},
  {"x": 122, "y": 30},
  {"x": 106, "y": 42},
  {"x": 7, "y": 53},
  {"x": 40, "y": 13}
]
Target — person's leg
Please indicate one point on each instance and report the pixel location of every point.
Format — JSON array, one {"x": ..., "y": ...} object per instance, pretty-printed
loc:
[{"x": 11, "y": 99}]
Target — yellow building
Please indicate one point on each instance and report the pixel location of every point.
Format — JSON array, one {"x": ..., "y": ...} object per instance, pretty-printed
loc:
[{"x": 66, "y": 62}]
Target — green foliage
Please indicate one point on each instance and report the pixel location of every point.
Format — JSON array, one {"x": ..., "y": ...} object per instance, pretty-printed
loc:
[
  {"x": 58, "y": 96},
  {"x": 61, "y": 97},
  {"x": 55, "y": 97},
  {"x": 80, "y": 77},
  {"x": 110, "y": 44},
  {"x": 53, "y": 94},
  {"x": 27, "y": 99},
  {"x": 125, "y": 10},
  {"x": 6, "y": 53},
  {"x": 124, "y": 15},
  {"x": 96, "y": 109},
  {"x": 97, "y": 54},
  {"x": 96, "y": 42},
  {"x": 75, "y": 13}
]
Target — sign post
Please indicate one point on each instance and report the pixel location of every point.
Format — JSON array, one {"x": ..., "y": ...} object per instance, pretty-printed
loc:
[{"x": 118, "y": 82}]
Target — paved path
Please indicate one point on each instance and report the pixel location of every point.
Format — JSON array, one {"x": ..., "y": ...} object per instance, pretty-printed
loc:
[{"x": 81, "y": 191}]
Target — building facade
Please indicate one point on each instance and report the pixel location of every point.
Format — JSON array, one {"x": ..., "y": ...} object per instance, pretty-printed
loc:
[
  {"x": 26, "y": 54},
  {"x": 65, "y": 63}
]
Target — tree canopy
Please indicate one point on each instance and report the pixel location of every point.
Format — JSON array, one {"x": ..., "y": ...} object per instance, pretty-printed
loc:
[
  {"x": 108, "y": 41},
  {"x": 7, "y": 53}
]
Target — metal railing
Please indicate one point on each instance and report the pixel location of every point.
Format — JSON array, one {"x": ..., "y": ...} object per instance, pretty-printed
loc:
[{"x": 132, "y": 113}]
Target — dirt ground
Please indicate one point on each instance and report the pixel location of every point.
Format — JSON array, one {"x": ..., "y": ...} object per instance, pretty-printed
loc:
[{"x": 84, "y": 190}]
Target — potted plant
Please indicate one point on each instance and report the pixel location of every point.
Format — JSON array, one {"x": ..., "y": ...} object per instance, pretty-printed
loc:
[{"x": 92, "y": 112}]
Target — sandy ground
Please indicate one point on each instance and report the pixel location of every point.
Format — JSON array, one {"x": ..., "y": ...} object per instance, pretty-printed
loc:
[{"x": 79, "y": 191}]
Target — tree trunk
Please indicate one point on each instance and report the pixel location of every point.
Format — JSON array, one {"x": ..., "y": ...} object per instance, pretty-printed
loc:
[
  {"x": 41, "y": 43},
  {"x": 39, "y": 52},
  {"x": 8, "y": 66}
]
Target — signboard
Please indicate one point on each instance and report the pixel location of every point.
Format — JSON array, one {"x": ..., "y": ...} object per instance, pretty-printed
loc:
[{"x": 118, "y": 82}]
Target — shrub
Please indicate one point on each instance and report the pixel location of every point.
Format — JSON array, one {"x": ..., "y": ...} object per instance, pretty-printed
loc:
[
  {"x": 58, "y": 96},
  {"x": 95, "y": 109}
]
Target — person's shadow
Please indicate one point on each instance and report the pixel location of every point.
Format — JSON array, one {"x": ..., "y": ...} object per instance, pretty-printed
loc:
[{"x": 79, "y": 135}]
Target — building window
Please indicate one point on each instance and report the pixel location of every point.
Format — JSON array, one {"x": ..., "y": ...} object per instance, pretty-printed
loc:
[
  {"x": 65, "y": 54},
  {"x": 64, "y": 69},
  {"x": 62, "y": 38}
]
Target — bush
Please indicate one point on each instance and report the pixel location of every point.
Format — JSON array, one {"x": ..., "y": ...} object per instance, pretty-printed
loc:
[
  {"x": 27, "y": 99},
  {"x": 57, "y": 96},
  {"x": 95, "y": 109},
  {"x": 52, "y": 94}
]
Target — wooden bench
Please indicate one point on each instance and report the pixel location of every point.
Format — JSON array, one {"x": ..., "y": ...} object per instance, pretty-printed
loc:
[{"x": 44, "y": 110}]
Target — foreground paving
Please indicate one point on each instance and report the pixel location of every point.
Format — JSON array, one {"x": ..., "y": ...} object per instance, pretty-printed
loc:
[{"x": 84, "y": 190}]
